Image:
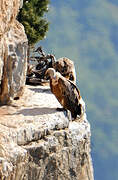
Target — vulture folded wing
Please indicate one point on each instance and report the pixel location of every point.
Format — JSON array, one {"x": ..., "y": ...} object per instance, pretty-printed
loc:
[{"x": 70, "y": 93}]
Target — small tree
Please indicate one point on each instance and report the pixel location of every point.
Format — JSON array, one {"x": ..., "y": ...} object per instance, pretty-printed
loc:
[{"x": 32, "y": 17}]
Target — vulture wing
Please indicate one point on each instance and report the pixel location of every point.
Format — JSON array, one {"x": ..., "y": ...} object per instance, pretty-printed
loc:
[{"x": 71, "y": 96}]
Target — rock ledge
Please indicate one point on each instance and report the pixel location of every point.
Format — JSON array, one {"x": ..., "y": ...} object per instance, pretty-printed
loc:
[{"x": 39, "y": 143}]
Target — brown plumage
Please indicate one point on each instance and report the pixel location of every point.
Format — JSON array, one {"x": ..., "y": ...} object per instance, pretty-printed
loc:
[
  {"x": 66, "y": 93},
  {"x": 66, "y": 67}
]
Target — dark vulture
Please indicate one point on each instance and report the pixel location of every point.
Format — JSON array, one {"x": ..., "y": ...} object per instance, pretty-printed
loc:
[
  {"x": 66, "y": 67},
  {"x": 66, "y": 93}
]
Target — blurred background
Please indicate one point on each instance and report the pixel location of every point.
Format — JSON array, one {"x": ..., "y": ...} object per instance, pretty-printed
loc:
[{"x": 87, "y": 32}]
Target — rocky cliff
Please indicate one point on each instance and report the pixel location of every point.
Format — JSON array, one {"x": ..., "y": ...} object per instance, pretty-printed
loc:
[
  {"x": 36, "y": 141},
  {"x": 13, "y": 51},
  {"x": 39, "y": 143}
]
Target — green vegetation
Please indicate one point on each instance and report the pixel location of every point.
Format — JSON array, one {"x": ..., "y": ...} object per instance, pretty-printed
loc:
[{"x": 32, "y": 17}]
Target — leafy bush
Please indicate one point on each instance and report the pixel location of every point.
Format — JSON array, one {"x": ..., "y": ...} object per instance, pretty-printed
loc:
[{"x": 32, "y": 17}]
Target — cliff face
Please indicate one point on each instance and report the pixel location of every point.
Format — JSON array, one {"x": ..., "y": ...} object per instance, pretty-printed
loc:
[
  {"x": 36, "y": 141},
  {"x": 13, "y": 51},
  {"x": 39, "y": 143}
]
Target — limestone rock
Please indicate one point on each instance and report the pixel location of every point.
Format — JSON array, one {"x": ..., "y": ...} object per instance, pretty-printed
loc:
[
  {"x": 13, "y": 52},
  {"x": 39, "y": 143}
]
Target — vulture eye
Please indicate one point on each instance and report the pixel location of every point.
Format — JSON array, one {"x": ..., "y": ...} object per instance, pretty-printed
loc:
[{"x": 71, "y": 77}]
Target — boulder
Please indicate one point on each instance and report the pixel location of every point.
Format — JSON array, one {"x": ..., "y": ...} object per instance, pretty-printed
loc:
[{"x": 13, "y": 52}]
